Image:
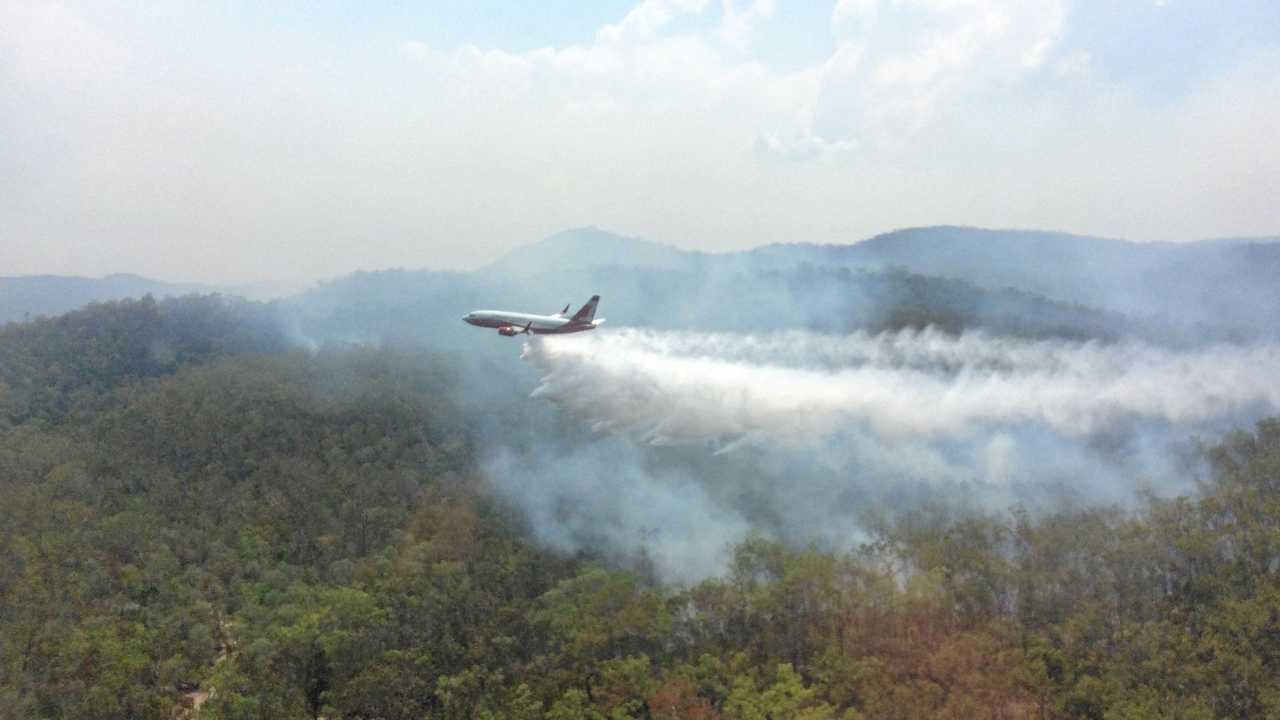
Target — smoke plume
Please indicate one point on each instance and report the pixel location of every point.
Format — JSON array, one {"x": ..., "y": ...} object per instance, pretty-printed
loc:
[{"x": 677, "y": 445}]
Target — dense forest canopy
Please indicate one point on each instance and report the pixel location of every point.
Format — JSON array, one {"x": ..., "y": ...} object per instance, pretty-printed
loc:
[{"x": 197, "y": 519}]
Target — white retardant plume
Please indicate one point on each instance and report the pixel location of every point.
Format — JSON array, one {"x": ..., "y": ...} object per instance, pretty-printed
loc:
[
  {"x": 797, "y": 388},
  {"x": 828, "y": 431}
]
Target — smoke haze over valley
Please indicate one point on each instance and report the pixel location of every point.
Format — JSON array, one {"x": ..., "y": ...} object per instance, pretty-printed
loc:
[
  {"x": 799, "y": 392},
  {"x": 263, "y": 455}
]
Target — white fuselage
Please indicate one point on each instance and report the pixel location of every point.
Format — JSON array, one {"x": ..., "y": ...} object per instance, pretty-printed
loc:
[{"x": 538, "y": 324}]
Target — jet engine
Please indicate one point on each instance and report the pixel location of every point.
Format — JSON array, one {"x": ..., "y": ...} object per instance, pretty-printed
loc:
[{"x": 512, "y": 330}]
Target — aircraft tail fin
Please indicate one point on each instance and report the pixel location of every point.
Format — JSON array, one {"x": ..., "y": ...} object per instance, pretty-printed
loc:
[{"x": 587, "y": 312}]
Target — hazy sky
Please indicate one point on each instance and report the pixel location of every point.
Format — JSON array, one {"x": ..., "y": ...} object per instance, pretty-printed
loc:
[{"x": 236, "y": 142}]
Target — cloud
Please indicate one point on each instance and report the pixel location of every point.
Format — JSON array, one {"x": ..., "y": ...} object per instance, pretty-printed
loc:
[
  {"x": 899, "y": 65},
  {"x": 739, "y": 27},
  {"x": 414, "y": 51},
  {"x": 224, "y": 157},
  {"x": 645, "y": 20},
  {"x": 44, "y": 44},
  {"x": 1075, "y": 64}
]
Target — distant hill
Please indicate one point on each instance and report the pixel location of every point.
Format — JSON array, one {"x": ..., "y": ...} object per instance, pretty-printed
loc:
[
  {"x": 1024, "y": 282},
  {"x": 1227, "y": 283},
  {"x": 425, "y": 306},
  {"x": 1229, "y": 280},
  {"x": 30, "y": 296}
]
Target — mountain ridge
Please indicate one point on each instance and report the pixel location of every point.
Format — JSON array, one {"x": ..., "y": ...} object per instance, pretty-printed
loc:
[
  {"x": 30, "y": 296},
  {"x": 1227, "y": 282},
  {"x": 1202, "y": 281}
]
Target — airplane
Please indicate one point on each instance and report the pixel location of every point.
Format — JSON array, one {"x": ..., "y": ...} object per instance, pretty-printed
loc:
[{"x": 510, "y": 324}]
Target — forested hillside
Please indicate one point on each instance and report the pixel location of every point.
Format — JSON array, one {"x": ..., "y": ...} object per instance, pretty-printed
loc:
[
  {"x": 194, "y": 515},
  {"x": 46, "y": 365},
  {"x": 26, "y": 297}
]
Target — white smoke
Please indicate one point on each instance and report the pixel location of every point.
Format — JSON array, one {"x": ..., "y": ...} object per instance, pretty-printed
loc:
[
  {"x": 798, "y": 388},
  {"x": 816, "y": 434},
  {"x": 605, "y": 496}
]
